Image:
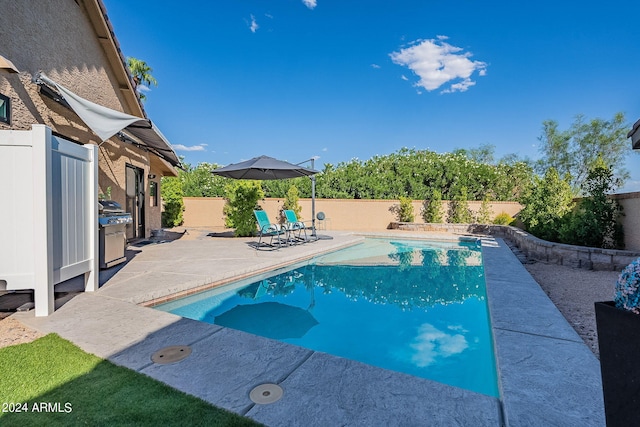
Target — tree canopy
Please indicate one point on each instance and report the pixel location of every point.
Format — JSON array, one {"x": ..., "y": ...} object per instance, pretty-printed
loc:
[
  {"x": 141, "y": 73},
  {"x": 198, "y": 181},
  {"x": 417, "y": 173},
  {"x": 575, "y": 151},
  {"x": 411, "y": 173}
]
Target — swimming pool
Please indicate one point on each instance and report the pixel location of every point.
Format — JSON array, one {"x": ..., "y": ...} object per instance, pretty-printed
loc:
[{"x": 412, "y": 306}]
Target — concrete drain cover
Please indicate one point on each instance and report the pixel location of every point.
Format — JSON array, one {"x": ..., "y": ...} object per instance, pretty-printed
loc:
[
  {"x": 266, "y": 393},
  {"x": 172, "y": 354}
]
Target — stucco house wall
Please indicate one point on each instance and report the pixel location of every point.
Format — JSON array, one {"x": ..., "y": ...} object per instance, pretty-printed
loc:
[{"x": 70, "y": 43}]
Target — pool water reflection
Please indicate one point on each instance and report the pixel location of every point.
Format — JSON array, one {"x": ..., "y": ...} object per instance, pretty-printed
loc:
[{"x": 410, "y": 306}]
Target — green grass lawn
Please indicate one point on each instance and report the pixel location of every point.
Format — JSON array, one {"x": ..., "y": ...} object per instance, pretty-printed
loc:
[{"x": 59, "y": 384}]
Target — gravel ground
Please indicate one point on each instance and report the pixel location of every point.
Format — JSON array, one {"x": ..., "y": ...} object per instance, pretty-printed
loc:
[
  {"x": 13, "y": 332},
  {"x": 574, "y": 291}
]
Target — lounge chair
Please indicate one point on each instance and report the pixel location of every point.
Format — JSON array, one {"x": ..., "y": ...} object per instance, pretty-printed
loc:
[
  {"x": 295, "y": 227},
  {"x": 267, "y": 228}
]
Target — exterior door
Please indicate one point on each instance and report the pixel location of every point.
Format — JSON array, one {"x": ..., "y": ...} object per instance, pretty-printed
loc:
[{"x": 135, "y": 201}]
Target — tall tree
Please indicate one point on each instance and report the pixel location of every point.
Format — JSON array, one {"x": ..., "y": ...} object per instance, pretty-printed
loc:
[
  {"x": 575, "y": 151},
  {"x": 141, "y": 73}
]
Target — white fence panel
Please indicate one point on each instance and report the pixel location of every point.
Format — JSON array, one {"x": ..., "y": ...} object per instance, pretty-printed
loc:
[
  {"x": 51, "y": 235},
  {"x": 17, "y": 213}
]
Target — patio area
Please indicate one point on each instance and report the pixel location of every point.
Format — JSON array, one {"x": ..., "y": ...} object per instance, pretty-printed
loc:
[{"x": 548, "y": 376}]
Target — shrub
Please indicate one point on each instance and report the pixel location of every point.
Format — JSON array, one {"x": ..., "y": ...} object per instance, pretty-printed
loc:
[
  {"x": 403, "y": 210},
  {"x": 595, "y": 221},
  {"x": 242, "y": 199},
  {"x": 291, "y": 203},
  {"x": 459, "y": 212},
  {"x": 432, "y": 209},
  {"x": 485, "y": 212},
  {"x": 546, "y": 204},
  {"x": 503, "y": 218},
  {"x": 171, "y": 192}
]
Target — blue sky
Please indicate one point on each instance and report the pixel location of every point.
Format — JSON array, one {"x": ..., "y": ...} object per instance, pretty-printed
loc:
[{"x": 351, "y": 79}]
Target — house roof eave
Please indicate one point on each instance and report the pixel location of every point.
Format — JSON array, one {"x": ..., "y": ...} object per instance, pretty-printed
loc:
[
  {"x": 104, "y": 31},
  {"x": 634, "y": 134}
]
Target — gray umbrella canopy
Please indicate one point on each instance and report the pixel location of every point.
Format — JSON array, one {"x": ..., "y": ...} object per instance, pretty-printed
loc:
[{"x": 264, "y": 168}]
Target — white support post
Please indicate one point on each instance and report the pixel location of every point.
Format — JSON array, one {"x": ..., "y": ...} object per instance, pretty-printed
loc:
[
  {"x": 91, "y": 278},
  {"x": 43, "y": 223}
]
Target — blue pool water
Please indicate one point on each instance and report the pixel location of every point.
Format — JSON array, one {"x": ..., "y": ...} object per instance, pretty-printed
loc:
[{"x": 416, "y": 307}]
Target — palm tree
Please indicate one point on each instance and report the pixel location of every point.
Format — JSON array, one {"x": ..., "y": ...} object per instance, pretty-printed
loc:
[{"x": 141, "y": 73}]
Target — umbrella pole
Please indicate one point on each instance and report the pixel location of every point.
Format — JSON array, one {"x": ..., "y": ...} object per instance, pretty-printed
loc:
[{"x": 313, "y": 201}]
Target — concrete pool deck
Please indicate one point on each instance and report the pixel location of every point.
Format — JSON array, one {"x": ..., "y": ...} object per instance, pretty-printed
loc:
[{"x": 547, "y": 375}]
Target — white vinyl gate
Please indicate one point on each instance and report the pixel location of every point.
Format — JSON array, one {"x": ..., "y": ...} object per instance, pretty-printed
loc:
[{"x": 48, "y": 213}]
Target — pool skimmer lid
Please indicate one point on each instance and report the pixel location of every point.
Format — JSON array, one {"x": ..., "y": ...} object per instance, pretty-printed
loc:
[
  {"x": 266, "y": 393},
  {"x": 172, "y": 354}
]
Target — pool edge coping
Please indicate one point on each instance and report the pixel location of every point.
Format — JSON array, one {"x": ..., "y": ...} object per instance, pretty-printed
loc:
[
  {"x": 558, "y": 350},
  {"x": 247, "y": 274}
]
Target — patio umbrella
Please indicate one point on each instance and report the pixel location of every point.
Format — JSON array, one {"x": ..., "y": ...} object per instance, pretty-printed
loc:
[
  {"x": 264, "y": 168},
  {"x": 267, "y": 168},
  {"x": 268, "y": 319}
]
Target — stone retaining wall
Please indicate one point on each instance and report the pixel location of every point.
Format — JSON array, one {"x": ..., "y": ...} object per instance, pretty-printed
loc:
[
  {"x": 534, "y": 248},
  {"x": 569, "y": 255},
  {"x": 443, "y": 227}
]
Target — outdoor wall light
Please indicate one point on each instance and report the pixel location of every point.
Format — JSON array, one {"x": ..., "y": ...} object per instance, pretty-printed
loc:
[
  {"x": 7, "y": 65},
  {"x": 151, "y": 176}
]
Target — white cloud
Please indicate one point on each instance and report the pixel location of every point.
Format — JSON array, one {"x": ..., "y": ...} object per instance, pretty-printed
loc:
[
  {"x": 437, "y": 63},
  {"x": 253, "y": 25},
  {"x": 460, "y": 87},
  {"x": 180, "y": 147},
  {"x": 431, "y": 343},
  {"x": 325, "y": 149},
  {"x": 310, "y": 3},
  {"x": 376, "y": 66},
  {"x": 403, "y": 77}
]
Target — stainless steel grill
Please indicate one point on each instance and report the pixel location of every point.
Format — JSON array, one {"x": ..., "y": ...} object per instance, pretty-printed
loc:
[{"x": 112, "y": 222}]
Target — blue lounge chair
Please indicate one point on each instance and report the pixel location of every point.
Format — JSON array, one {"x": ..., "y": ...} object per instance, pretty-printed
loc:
[
  {"x": 295, "y": 227},
  {"x": 267, "y": 228}
]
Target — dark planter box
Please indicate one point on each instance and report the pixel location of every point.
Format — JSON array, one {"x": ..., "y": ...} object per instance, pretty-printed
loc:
[{"x": 619, "y": 343}]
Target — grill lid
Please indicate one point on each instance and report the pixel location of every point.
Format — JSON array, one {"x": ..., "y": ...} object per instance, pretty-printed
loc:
[
  {"x": 109, "y": 206},
  {"x": 111, "y": 213}
]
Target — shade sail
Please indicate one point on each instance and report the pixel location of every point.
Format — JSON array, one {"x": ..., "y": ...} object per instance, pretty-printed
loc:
[
  {"x": 151, "y": 136},
  {"x": 264, "y": 168},
  {"x": 106, "y": 122}
]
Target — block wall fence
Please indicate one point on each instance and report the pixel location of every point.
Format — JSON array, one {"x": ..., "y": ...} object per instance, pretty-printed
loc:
[
  {"x": 341, "y": 214},
  {"x": 374, "y": 215}
]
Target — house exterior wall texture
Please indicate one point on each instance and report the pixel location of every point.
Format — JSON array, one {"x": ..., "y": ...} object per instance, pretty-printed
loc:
[
  {"x": 57, "y": 38},
  {"x": 630, "y": 203}
]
